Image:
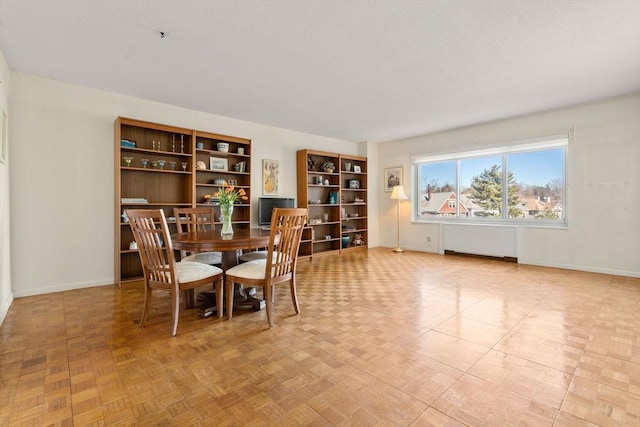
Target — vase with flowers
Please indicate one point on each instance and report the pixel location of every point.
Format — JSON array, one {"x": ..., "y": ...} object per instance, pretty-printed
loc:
[{"x": 227, "y": 196}]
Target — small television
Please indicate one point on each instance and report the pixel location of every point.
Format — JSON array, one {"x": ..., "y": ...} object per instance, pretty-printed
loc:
[{"x": 266, "y": 205}]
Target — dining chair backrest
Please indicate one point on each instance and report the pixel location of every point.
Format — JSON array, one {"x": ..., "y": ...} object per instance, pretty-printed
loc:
[
  {"x": 284, "y": 242},
  {"x": 151, "y": 232},
  {"x": 194, "y": 219}
]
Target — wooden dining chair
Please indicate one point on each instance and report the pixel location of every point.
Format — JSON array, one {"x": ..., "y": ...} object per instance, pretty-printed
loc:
[
  {"x": 278, "y": 267},
  {"x": 197, "y": 219},
  {"x": 160, "y": 269}
]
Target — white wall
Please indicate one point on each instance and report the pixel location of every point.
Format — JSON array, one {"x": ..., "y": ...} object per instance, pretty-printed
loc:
[
  {"x": 603, "y": 182},
  {"x": 6, "y": 296},
  {"x": 62, "y": 179}
]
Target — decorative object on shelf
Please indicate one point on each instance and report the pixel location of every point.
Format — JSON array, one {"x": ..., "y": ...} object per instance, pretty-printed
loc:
[
  {"x": 173, "y": 143},
  {"x": 144, "y": 162},
  {"x": 347, "y": 167},
  {"x": 200, "y": 145},
  {"x": 172, "y": 165},
  {"x": 223, "y": 147},
  {"x": 182, "y": 143},
  {"x": 399, "y": 195},
  {"x": 357, "y": 169},
  {"x": 326, "y": 182},
  {"x": 227, "y": 196},
  {"x": 357, "y": 240},
  {"x": 127, "y": 143},
  {"x": 133, "y": 246},
  {"x": 345, "y": 241},
  {"x": 314, "y": 202},
  {"x": 270, "y": 177},
  {"x": 124, "y": 216},
  {"x": 161, "y": 164},
  {"x": 241, "y": 151},
  {"x": 344, "y": 213},
  {"x": 220, "y": 181},
  {"x": 392, "y": 177},
  {"x": 328, "y": 166},
  {"x": 184, "y": 166},
  {"x": 319, "y": 180},
  {"x": 326, "y": 217},
  {"x": 127, "y": 160},
  {"x": 218, "y": 163},
  {"x": 333, "y": 198},
  {"x": 233, "y": 182},
  {"x": 240, "y": 166},
  {"x": 354, "y": 183},
  {"x": 311, "y": 164},
  {"x": 200, "y": 165}
]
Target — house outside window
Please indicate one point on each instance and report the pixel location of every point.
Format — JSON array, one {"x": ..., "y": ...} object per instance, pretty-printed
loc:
[{"x": 522, "y": 183}]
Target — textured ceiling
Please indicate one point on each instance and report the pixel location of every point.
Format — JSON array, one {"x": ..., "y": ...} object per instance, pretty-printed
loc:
[{"x": 355, "y": 70}]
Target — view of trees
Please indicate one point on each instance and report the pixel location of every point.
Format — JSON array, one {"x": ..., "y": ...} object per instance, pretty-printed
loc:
[{"x": 486, "y": 192}]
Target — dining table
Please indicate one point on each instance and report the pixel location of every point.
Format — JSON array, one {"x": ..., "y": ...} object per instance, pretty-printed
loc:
[{"x": 228, "y": 245}]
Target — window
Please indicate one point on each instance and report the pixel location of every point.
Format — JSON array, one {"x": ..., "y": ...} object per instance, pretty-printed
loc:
[{"x": 522, "y": 183}]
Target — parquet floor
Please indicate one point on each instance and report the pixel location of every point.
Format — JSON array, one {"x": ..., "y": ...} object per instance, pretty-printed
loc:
[{"x": 383, "y": 339}]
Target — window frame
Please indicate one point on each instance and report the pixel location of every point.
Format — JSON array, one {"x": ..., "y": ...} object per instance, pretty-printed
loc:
[{"x": 529, "y": 146}]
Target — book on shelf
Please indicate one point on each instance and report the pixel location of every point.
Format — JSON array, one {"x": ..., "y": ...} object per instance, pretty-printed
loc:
[{"x": 133, "y": 200}]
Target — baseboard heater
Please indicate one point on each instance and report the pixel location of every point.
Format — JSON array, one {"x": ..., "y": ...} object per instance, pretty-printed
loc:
[{"x": 491, "y": 241}]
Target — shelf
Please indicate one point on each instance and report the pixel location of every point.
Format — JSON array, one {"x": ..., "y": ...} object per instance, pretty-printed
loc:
[
  {"x": 148, "y": 151},
  {"x": 125, "y": 168}
]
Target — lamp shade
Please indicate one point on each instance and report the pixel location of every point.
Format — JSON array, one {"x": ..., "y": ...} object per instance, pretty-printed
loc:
[{"x": 398, "y": 193}]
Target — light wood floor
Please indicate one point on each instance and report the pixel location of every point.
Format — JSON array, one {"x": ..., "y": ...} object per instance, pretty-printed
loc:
[{"x": 382, "y": 339}]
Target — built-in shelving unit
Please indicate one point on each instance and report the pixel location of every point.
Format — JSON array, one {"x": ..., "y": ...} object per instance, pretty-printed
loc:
[
  {"x": 336, "y": 200},
  {"x": 163, "y": 166}
]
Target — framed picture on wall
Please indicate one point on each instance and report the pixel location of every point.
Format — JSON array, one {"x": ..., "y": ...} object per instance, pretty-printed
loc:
[
  {"x": 270, "y": 177},
  {"x": 392, "y": 177}
]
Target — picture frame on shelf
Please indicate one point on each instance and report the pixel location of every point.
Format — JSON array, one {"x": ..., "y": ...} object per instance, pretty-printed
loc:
[
  {"x": 232, "y": 182},
  {"x": 392, "y": 177},
  {"x": 270, "y": 177},
  {"x": 217, "y": 163},
  {"x": 357, "y": 169},
  {"x": 354, "y": 184}
]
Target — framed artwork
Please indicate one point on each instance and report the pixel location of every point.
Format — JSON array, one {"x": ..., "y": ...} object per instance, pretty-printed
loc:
[
  {"x": 270, "y": 177},
  {"x": 357, "y": 169},
  {"x": 392, "y": 177},
  {"x": 233, "y": 182},
  {"x": 354, "y": 183},
  {"x": 4, "y": 138},
  {"x": 217, "y": 163}
]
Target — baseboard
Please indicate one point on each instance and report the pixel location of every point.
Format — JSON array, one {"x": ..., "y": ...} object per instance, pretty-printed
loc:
[
  {"x": 61, "y": 288},
  {"x": 5, "y": 308},
  {"x": 499, "y": 258},
  {"x": 588, "y": 269}
]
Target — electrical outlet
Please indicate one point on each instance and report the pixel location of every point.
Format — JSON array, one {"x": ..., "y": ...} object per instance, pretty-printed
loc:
[{"x": 428, "y": 238}]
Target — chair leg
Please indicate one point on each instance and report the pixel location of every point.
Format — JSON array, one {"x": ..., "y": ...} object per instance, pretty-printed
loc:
[
  {"x": 228, "y": 290},
  {"x": 219, "y": 295},
  {"x": 294, "y": 295},
  {"x": 147, "y": 306},
  {"x": 175, "y": 311},
  {"x": 268, "y": 297},
  {"x": 190, "y": 298}
]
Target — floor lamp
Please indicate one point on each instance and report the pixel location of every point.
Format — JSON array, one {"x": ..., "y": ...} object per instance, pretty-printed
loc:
[{"x": 399, "y": 195}]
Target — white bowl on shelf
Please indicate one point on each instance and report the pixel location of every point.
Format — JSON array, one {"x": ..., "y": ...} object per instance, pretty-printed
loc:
[{"x": 223, "y": 146}]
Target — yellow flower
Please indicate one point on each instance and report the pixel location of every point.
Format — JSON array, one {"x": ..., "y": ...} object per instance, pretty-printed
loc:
[{"x": 228, "y": 194}]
